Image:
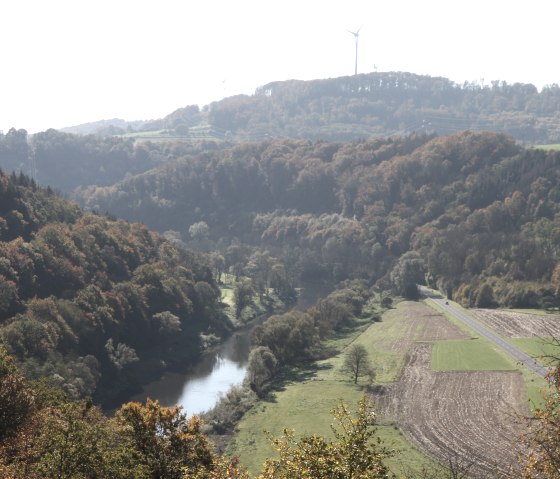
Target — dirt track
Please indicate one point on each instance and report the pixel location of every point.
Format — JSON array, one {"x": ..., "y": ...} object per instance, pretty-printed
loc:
[{"x": 469, "y": 416}]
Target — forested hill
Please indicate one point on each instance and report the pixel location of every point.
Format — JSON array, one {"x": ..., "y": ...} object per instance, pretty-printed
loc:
[
  {"x": 337, "y": 109},
  {"x": 481, "y": 212},
  {"x": 66, "y": 161},
  {"x": 383, "y": 104},
  {"x": 93, "y": 303}
]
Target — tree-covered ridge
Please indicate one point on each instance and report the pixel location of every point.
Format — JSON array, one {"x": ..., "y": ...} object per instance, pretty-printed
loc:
[
  {"x": 66, "y": 161},
  {"x": 389, "y": 103},
  {"x": 93, "y": 302},
  {"x": 479, "y": 209}
]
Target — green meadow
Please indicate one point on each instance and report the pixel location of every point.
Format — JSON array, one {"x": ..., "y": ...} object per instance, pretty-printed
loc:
[
  {"x": 305, "y": 401},
  {"x": 468, "y": 355}
]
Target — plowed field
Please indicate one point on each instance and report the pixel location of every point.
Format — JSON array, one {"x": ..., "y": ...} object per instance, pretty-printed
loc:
[
  {"x": 512, "y": 324},
  {"x": 467, "y": 416}
]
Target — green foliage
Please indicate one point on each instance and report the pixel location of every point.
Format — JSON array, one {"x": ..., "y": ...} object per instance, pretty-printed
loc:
[
  {"x": 357, "y": 363},
  {"x": 385, "y": 103},
  {"x": 91, "y": 301},
  {"x": 476, "y": 207},
  {"x": 16, "y": 399},
  {"x": 408, "y": 272},
  {"x": 291, "y": 336},
  {"x": 242, "y": 296},
  {"x": 230, "y": 408},
  {"x": 167, "y": 443},
  {"x": 541, "y": 457},
  {"x": 75, "y": 440},
  {"x": 261, "y": 367}
]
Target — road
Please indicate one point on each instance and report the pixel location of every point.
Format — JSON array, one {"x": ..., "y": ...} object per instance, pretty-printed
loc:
[{"x": 472, "y": 323}]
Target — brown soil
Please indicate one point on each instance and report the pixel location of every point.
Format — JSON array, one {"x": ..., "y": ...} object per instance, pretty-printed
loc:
[
  {"x": 519, "y": 325},
  {"x": 465, "y": 417},
  {"x": 421, "y": 323}
]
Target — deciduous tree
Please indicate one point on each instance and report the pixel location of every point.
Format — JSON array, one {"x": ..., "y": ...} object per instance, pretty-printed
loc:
[
  {"x": 353, "y": 454},
  {"x": 357, "y": 363}
]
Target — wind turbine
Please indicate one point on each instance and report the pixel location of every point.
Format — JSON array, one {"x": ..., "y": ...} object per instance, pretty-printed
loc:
[{"x": 356, "y": 35}]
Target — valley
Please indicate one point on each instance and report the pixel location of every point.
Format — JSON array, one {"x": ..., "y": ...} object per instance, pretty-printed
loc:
[
  {"x": 452, "y": 416},
  {"x": 176, "y": 241}
]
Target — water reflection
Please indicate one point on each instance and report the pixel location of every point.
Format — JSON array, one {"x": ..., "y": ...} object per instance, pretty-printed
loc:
[{"x": 199, "y": 389}]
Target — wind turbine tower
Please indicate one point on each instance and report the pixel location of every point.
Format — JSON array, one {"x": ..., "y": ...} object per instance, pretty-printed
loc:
[{"x": 356, "y": 36}]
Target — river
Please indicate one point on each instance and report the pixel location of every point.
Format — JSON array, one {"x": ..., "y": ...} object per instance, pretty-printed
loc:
[{"x": 200, "y": 388}]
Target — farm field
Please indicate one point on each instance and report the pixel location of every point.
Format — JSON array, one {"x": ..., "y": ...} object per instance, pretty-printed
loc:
[
  {"x": 468, "y": 355},
  {"x": 468, "y": 410},
  {"x": 458, "y": 399},
  {"x": 466, "y": 416},
  {"x": 513, "y": 324},
  {"x": 304, "y": 405}
]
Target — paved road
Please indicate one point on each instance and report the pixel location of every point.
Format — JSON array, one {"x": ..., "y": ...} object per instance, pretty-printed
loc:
[{"x": 516, "y": 353}]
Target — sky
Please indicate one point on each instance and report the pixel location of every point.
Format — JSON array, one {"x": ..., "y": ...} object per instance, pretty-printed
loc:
[{"x": 68, "y": 62}]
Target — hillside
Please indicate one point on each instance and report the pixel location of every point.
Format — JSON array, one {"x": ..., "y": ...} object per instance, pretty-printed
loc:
[
  {"x": 361, "y": 106},
  {"x": 66, "y": 161},
  {"x": 390, "y": 103},
  {"x": 337, "y": 109},
  {"x": 97, "y": 305},
  {"x": 481, "y": 211}
]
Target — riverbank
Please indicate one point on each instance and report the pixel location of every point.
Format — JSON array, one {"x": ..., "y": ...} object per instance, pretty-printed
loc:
[
  {"x": 199, "y": 387},
  {"x": 303, "y": 396}
]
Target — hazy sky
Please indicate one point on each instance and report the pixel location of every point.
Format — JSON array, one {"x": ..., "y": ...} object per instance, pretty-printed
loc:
[{"x": 66, "y": 62}]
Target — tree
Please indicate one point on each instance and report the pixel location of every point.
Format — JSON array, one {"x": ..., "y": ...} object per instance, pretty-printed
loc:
[
  {"x": 261, "y": 367},
  {"x": 76, "y": 440},
  {"x": 168, "y": 443},
  {"x": 242, "y": 296},
  {"x": 121, "y": 355},
  {"x": 16, "y": 398},
  {"x": 330, "y": 314},
  {"x": 357, "y": 363},
  {"x": 199, "y": 232},
  {"x": 407, "y": 273},
  {"x": 543, "y": 439},
  {"x": 353, "y": 454},
  {"x": 485, "y": 297},
  {"x": 387, "y": 302},
  {"x": 290, "y": 336}
]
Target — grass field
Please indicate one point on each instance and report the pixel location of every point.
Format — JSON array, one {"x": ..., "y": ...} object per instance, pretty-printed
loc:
[
  {"x": 542, "y": 349},
  {"x": 306, "y": 398},
  {"x": 535, "y": 384},
  {"x": 468, "y": 355},
  {"x": 308, "y": 403},
  {"x": 548, "y": 147}
]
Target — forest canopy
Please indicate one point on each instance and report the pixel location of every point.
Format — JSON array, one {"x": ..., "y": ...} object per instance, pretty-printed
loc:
[
  {"x": 478, "y": 209},
  {"x": 94, "y": 303}
]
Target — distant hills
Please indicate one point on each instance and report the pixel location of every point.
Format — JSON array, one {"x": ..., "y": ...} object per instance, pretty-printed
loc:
[{"x": 373, "y": 104}]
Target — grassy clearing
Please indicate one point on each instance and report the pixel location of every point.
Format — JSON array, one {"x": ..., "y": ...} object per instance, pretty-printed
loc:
[
  {"x": 307, "y": 403},
  {"x": 548, "y": 147},
  {"x": 468, "y": 355}
]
